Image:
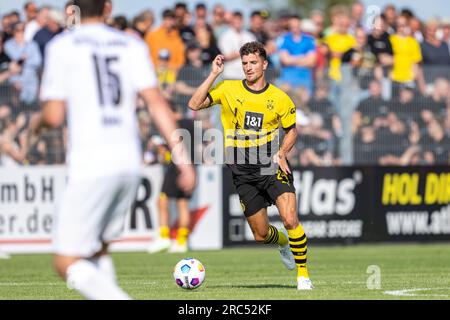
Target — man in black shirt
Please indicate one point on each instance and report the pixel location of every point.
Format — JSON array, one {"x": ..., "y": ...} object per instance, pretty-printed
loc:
[
  {"x": 380, "y": 45},
  {"x": 190, "y": 76}
]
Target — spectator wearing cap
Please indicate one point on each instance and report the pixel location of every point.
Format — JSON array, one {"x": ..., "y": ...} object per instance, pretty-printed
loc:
[
  {"x": 54, "y": 26},
  {"x": 167, "y": 37},
  {"x": 434, "y": 51},
  {"x": 407, "y": 56},
  {"x": 283, "y": 20},
  {"x": 143, "y": 22},
  {"x": 257, "y": 20},
  {"x": 27, "y": 54},
  {"x": 298, "y": 57},
  {"x": 230, "y": 43},
  {"x": 165, "y": 74}
]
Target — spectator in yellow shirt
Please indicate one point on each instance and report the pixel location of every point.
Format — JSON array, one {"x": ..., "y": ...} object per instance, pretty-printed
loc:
[
  {"x": 167, "y": 37},
  {"x": 407, "y": 56},
  {"x": 339, "y": 41},
  {"x": 166, "y": 75}
]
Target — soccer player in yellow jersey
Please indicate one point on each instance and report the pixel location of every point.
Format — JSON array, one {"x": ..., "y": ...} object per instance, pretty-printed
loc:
[{"x": 252, "y": 111}]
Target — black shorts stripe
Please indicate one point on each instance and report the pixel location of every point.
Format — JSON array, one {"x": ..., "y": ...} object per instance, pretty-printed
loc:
[
  {"x": 298, "y": 239},
  {"x": 289, "y": 128},
  {"x": 300, "y": 261},
  {"x": 298, "y": 246}
]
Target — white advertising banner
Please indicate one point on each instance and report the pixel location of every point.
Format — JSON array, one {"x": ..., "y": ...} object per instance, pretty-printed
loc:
[{"x": 29, "y": 197}]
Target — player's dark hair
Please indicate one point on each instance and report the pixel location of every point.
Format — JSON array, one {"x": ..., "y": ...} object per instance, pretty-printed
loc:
[
  {"x": 253, "y": 48},
  {"x": 90, "y": 8}
]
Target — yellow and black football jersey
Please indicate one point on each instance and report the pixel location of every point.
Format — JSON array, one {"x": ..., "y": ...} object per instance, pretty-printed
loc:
[{"x": 251, "y": 121}]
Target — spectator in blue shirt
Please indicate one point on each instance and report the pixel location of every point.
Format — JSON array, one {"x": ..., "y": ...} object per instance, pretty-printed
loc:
[
  {"x": 27, "y": 55},
  {"x": 297, "y": 52}
]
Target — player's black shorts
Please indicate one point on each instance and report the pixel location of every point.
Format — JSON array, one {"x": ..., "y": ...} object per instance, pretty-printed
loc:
[
  {"x": 170, "y": 187},
  {"x": 258, "y": 191}
]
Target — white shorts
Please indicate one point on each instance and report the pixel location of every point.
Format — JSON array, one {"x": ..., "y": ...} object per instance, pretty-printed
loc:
[{"x": 92, "y": 212}]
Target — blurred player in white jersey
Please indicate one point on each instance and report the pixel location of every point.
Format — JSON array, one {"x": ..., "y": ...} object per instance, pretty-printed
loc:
[{"x": 96, "y": 73}]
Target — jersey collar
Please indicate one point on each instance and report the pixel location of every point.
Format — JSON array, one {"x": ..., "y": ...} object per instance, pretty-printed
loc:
[{"x": 255, "y": 91}]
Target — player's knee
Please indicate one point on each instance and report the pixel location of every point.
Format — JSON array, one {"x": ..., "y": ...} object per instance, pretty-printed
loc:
[
  {"x": 291, "y": 221},
  {"x": 260, "y": 237}
]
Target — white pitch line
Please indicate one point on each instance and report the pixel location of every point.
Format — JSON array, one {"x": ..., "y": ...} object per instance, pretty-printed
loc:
[
  {"x": 409, "y": 292},
  {"x": 30, "y": 284}
]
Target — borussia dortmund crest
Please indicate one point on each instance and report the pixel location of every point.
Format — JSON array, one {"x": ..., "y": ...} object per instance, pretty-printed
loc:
[{"x": 270, "y": 105}]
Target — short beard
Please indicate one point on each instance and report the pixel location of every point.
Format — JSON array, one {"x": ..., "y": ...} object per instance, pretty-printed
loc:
[{"x": 251, "y": 82}]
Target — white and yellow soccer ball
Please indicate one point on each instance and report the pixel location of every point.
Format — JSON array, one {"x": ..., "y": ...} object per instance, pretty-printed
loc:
[{"x": 189, "y": 273}]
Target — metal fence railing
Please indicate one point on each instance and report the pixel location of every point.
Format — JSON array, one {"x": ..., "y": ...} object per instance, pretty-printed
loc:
[{"x": 359, "y": 121}]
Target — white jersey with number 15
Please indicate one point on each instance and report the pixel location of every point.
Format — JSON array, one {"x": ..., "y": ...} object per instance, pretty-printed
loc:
[{"x": 98, "y": 72}]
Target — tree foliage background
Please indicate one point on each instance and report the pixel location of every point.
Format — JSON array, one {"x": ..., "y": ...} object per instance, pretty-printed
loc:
[{"x": 304, "y": 7}]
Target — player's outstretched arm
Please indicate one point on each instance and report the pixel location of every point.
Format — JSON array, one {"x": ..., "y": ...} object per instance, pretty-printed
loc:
[
  {"x": 199, "y": 99},
  {"x": 165, "y": 121}
]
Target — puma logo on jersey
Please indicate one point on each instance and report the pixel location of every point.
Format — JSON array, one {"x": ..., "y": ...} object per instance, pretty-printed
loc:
[{"x": 241, "y": 102}]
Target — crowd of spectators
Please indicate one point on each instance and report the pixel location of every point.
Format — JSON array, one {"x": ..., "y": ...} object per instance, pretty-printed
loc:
[{"x": 399, "y": 65}]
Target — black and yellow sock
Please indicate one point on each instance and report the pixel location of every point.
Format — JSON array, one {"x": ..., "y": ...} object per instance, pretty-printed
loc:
[
  {"x": 299, "y": 247},
  {"x": 182, "y": 235},
  {"x": 275, "y": 236},
  {"x": 164, "y": 232}
]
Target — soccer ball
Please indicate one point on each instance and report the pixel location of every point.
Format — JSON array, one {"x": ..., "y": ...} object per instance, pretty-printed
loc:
[{"x": 189, "y": 273}]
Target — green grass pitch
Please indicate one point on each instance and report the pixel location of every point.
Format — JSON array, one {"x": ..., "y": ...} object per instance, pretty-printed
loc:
[{"x": 338, "y": 272}]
